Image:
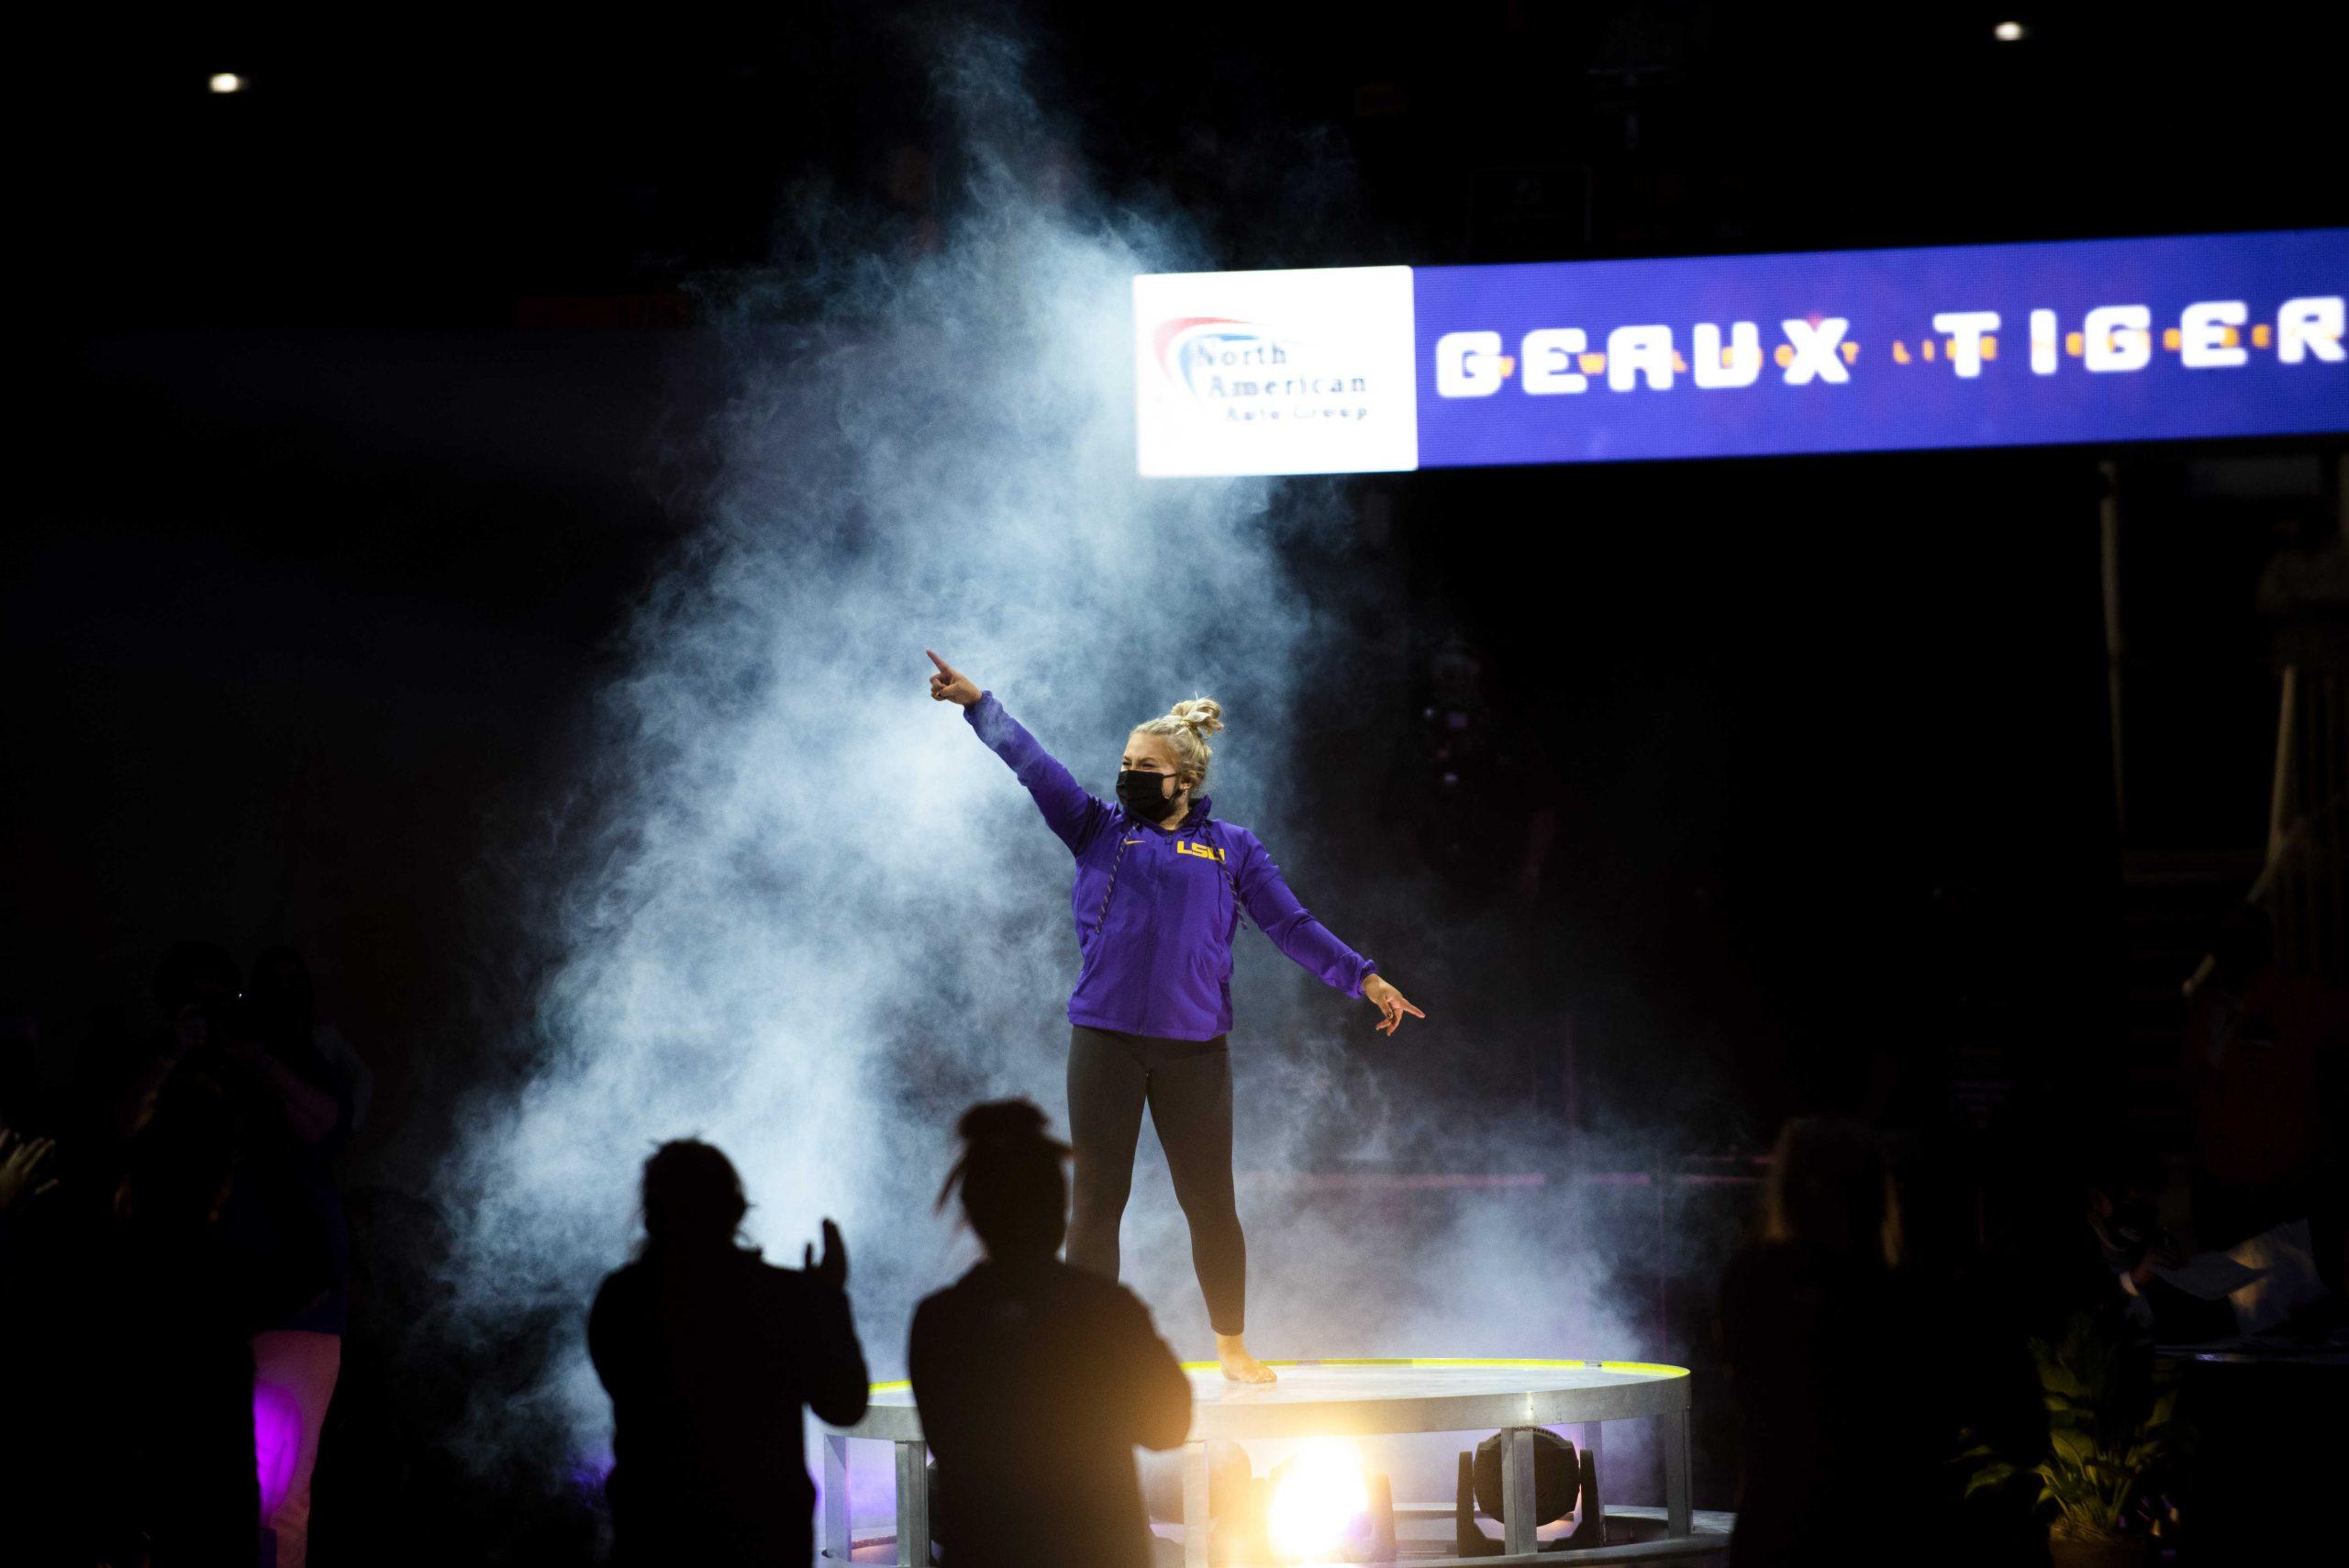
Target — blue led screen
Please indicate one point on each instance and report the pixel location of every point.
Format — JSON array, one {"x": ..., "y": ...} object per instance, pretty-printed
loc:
[{"x": 1968, "y": 346}]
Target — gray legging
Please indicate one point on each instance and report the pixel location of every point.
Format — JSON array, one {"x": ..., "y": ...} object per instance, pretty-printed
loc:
[{"x": 1187, "y": 1086}]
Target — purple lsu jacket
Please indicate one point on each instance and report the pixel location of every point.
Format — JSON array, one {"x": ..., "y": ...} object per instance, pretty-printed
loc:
[{"x": 1157, "y": 961}]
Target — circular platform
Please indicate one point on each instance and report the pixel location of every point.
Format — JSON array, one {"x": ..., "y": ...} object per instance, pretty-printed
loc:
[
  {"x": 1367, "y": 1397},
  {"x": 1351, "y": 1398}
]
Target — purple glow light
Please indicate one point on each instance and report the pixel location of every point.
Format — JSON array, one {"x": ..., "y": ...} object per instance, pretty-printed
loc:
[
  {"x": 592, "y": 1469},
  {"x": 277, "y": 1443}
]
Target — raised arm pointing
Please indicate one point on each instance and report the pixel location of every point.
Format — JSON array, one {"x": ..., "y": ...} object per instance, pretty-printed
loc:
[
  {"x": 950, "y": 685},
  {"x": 1071, "y": 813}
]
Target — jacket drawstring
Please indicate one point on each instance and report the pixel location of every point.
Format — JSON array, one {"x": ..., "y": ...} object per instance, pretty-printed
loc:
[
  {"x": 1239, "y": 916},
  {"x": 1112, "y": 884}
]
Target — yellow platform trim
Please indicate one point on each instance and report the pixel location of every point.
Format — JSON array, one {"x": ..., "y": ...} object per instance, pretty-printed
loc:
[
  {"x": 1652, "y": 1369},
  {"x": 1656, "y": 1369}
]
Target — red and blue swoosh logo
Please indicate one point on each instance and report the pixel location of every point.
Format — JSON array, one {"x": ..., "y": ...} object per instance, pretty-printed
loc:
[{"x": 1189, "y": 345}]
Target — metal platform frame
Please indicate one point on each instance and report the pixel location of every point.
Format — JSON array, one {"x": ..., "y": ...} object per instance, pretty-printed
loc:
[{"x": 1636, "y": 1390}]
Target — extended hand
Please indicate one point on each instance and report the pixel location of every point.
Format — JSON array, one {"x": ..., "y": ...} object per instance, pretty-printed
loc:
[
  {"x": 21, "y": 1160},
  {"x": 1391, "y": 1004},
  {"x": 832, "y": 1267},
  {"x": 951, "y": 685}
]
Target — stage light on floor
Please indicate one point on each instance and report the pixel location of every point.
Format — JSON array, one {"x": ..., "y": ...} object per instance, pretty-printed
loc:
[
  {"x": 1564, "y": 1478},
  {"x": 1318, "y": 1494},
  {"x": 2008, "y": 32},
  {"x": 228, "y": 81},
  {"x": 1321, "y": 1507}
]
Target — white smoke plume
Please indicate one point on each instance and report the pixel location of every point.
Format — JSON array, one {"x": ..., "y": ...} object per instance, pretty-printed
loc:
[{"x": 814, "y": 917}]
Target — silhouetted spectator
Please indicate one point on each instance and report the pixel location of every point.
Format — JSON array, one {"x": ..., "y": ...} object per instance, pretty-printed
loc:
[
  {"x": 284, "y": 1006},
  {"x": 2128, "y": 1186},
  {"x": 709, "y": 1353},
  {"x": 284, "y": 1218},
  {"x": 1846, "y": 1424},
  {"x": 168, "y": 1346},
  {"x": 117, "y": 1071},
  {"x": 1036, "y": 1380},
  {"x": 2261, "y": 1045},
  {"x": 41, "y": 1267},
  {"x": 28, "y": 1176},
  {"x": 2182, "y": 1283}
]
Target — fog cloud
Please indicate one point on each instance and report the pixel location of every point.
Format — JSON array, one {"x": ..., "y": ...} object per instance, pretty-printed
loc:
[{"x": 805, "y": 915}]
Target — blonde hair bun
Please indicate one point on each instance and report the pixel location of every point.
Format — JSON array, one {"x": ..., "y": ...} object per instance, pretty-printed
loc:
[
  {"x": 1202, "y": 715},
  {"x": 1187, "y": 729}
]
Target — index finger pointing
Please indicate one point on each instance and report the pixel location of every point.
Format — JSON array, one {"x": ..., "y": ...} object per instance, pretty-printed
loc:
[{"x": 939, "y": 663}]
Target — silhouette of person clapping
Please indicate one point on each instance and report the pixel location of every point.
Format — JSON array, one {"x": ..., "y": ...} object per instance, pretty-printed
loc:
[
  {"x": 709, "y": 1353},
  {"x": 1036, "y": 1380},
  {"x": 1814, "y": 1317}
]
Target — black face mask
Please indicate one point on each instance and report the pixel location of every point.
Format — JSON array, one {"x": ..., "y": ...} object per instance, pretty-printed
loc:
[{"x": 1143, "y": 793}]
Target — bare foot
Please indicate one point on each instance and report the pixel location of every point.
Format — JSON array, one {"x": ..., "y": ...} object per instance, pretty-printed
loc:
[{"x": 1239, "y": 1366}]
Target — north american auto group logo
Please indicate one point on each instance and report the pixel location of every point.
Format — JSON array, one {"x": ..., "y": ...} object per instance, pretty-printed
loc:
[{"x": 1243, "y": 372}]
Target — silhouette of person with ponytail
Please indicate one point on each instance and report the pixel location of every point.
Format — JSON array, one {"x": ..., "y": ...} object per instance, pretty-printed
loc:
[
  {"x": 1036, "y": 1379},
  {"x": 708, "y": 1353}
]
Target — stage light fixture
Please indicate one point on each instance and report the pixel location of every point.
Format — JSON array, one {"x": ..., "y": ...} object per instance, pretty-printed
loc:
[
  {"x": 1318, "y": 1493},
  {"x": 228, "y": 81},
  {"x": 1564, "y": 1477},
  {"x": 1324, "y": 1506},
  {"x": 2008, "y": 32}
]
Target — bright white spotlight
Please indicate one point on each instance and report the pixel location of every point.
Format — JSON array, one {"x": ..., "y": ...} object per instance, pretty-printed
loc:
[
  {"x": 228, "y": 81},
  {"x": 2006, "y": 32},
  {"x": 1319, "y": 1494}
]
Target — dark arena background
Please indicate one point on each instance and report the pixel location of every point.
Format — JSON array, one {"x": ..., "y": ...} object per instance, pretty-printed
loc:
[{"x": 486, "y": 498}]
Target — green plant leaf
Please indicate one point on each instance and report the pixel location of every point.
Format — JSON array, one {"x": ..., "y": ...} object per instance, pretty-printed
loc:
[{"x": 1990, "y": 1477}]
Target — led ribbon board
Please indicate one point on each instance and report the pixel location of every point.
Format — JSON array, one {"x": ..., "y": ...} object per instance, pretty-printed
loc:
[{"x": 1357, "y": 369}]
